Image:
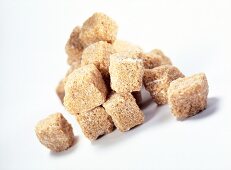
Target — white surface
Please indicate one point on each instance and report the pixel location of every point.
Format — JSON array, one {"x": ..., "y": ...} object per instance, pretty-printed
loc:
[{"x": 195, "y": 34}]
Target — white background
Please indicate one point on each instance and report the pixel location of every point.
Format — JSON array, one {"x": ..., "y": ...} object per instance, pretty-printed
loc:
[{"x": 194, "y": 34}]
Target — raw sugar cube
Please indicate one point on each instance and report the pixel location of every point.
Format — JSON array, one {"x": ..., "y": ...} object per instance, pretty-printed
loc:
[
  {"x": 55, "y": 132},
  {"x": 99, "y": 55},
  {"x": 126, "y": 73},
  {"x": 124, "y": 111},
  {"x": 150, "y": 61},
  {"x": 188, "y": 96},
  {"x": 99, "y": 27},
  {"x": 164, "y": 60},
  {"x": 95, "y": 123},
  {"x": 84, "y": 89}
]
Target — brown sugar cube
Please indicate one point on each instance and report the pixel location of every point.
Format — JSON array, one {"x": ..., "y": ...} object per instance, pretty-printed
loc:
[
  {"x": 124, "y": 111},
  {"x": 95, "y": 123},
  {"x": 99, "y": 55},
  {"x": 124, "y": 46},
  {"x": 137, "y": 95},
  {"x": 55, "y": 132},
  {"x": 188, "y": 96},
  {"x": 99, "y": 27},
  {"x": 60, "y": 88},
  {"x": 154, "y": 59},
  {"x": 157, "y": 80},
  {"x": 156, "y": 53},
  {"x": 74, "y": 47},
  {"x": 150, "y": 60},
  {"x": 84, "y": 89},
  {"x": 126, "y": 73}
]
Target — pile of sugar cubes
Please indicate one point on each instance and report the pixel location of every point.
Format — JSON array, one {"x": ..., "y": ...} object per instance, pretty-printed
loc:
[{"x": 102, "y": 88}]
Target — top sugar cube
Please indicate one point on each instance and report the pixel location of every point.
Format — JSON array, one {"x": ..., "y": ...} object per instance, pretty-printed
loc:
[
  {"x": 99, "y": 27},
  {"x": 126, "y": 73},
  {"x": 99, "y": 55}
]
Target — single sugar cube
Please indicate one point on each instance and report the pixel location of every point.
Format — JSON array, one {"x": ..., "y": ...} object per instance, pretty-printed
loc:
[
  {"x": 84, "y": 89},
  {"x": 157, "y": 81},
  {"x": 150, "y": 60},
  {"x": 188, "y": 96},
  {"x": 60, "y": 88},
  {"x": 99, "y": 55},
  {"x": 55, "y": 132},
  {"x": 99, "y": 27},
  {"x": 124, "y": 111},
  {"x": 126, "y": 73},
  {"x": 74, "y": 47},
  {"x": 95, "y": 123},
  {"x": 164, "y": 60}
]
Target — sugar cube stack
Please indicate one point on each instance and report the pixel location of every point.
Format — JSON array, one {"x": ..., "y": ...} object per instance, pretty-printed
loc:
[{"x": 102, "y": 88}]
